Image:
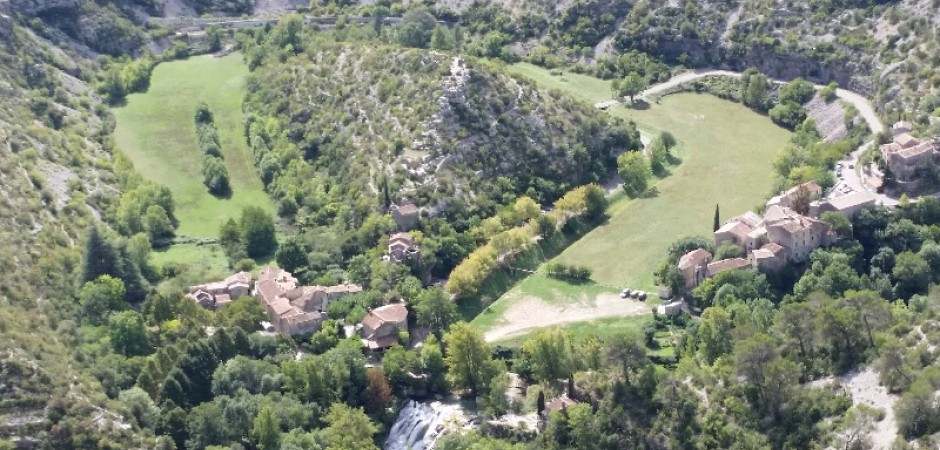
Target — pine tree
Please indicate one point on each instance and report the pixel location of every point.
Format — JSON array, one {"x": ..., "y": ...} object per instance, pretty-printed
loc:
[
  {"x": 100, "y": 258},
  {"x": 717, "y": 223}
]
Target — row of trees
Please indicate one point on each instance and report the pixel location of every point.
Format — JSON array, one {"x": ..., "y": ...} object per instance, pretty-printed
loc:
[
  {"x": 568, "y": 271},
  {"x": 215, "y": 175},
  {"x": 585, "y": 202},
  {"x": 637, "y": 170}
]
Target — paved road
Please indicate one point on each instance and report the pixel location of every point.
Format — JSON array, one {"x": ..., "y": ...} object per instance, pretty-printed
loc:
[{"x": 864, "y": 106}]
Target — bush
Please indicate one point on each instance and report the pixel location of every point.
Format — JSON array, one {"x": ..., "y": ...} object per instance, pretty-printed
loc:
[
  {"x": 569, "y": 272},
  {"x": 828, "y": 93}
]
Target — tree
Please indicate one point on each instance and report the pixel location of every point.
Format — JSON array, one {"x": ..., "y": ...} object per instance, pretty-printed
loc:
[
  {"x": 244, "y": 312},
  {"x": 257, "y": 231},
  {"x": 658, "y": 157},
  {"x": 326, "y": 338},
  {"x": 378, "y": 393},
  {"x": 349, "y": 429},
  {"x": 291, "y": 255},
  {"x": 550, "y": 354},
  {"x": 729, "y": 250},
  {"x": 668, "y": 139},
  {"x": 754, "y": 89},
  {"x": 265, "y": 431},
  {"x": 469, "y": 358},
  {"x": 912, "y": 274},
  {"x": 635, "y": 171},
  {"x": 893, "y": 366},
  {"x": 717, "y": 224},
  {"x": 214, "y": 38},
  {"x": 871, "y": 310},
  {"x": 839, "y": 223},
  {"x": 857, "y": 427},
  {"x": 627, "y": 351},
  {"x": 714, "y": 333},
  {"x": 440, "y": 39},
  {"x": 215, "y": 176},
  {"x": 787, "y": 114},
  {"x": 797, "y": 322},
  {"x": 432, "y": 360},
  {"x": 798, "y": 91},
  {"x": 435, "y": 310},
  {"x": 127, "y": 333},
  {"x": 629, "y": 86},
  {"x": 496, "y": 402},
  {"x": 99, "y": 297},
  {"x": 540, "y": 403},
  {"x": 100, "y": 257},
  {"x": 140, "y": 406}
]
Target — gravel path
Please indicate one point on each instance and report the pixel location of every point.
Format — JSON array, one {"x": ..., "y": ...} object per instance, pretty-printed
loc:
[{"x": 531, "y": 313}]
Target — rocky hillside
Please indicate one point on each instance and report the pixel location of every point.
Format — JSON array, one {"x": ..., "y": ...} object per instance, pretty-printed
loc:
[
  {"x": 55, "y": 179},
  {"x": 884, "y": 49},
  {"x": 433, "y": 125}
]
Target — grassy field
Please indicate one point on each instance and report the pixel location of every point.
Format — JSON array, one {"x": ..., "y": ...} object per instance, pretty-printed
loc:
[
  {"x": 727, "y": 162},
  {"x": 155, "y": 129},
  {"x": 580, "y": 330},
  {"x": 540, "y": 285},
  {"x": 583, "y": 87},
  {"x": 726, "y": 159}
]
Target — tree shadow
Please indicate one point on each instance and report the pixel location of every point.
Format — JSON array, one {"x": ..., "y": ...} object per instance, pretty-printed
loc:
[
  {"x": 651, "y": 193},
  {"x": 638, "y": 104}
]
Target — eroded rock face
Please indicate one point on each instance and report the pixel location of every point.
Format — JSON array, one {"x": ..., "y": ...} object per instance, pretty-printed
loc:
[{"x": 31, "y": 7}]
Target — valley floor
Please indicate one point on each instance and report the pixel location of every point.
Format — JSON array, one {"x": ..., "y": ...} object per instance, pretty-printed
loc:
[
  {"x": 156, "y": 130},
  {"x": 726, "y": 160}
]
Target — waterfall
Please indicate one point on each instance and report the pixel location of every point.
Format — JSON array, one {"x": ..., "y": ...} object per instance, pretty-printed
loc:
[{"x": 420, "y": 424}]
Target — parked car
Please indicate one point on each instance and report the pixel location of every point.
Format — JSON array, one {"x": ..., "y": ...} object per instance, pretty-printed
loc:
[{"x": 625, "y": 293}]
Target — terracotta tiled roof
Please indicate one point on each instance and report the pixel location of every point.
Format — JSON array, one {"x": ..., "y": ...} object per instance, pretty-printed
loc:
[
  {"x": 394, "y": 313},
  {"x": 343, "y": 289},
  {"x": 382, "y": 342},
  {"x": 280, "y": 306},
  {"x": 269, "y": 290},
  {"x": 693, "y": 258},
  {"x": 916, "y": 150},
  {"x": 906, "y": 140},
  {"x": 727, "y": 264}
]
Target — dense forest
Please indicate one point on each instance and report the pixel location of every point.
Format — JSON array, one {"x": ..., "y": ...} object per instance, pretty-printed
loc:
[{"x": 100, "y": 348}]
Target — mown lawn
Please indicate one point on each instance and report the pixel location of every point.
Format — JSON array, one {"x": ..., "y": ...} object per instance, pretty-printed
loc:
[
  {"x": 155, "y": 129},
  {"x": 726, "y": 152}
]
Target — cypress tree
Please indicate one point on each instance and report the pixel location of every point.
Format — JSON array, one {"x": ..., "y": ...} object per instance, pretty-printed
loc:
[
  {"x": 717, "y": 224},
  {"x": 540, "y": 403}
]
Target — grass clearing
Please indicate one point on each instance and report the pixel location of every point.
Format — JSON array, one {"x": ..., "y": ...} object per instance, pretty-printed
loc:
[
  {"x": 156, "y": 131},
  {"x": 583, "y": 87},
  {"x": 601, "y": 328},
  {"x": 726, "y": 152}
]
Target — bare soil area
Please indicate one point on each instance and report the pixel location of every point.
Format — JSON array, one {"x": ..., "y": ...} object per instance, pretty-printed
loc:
[
  {"x": 864, "y": 387},
  {"x": 530, "y": 313}
]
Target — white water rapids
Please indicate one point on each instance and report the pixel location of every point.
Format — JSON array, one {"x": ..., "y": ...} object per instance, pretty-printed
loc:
[{"x": 419, "y": 425}]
